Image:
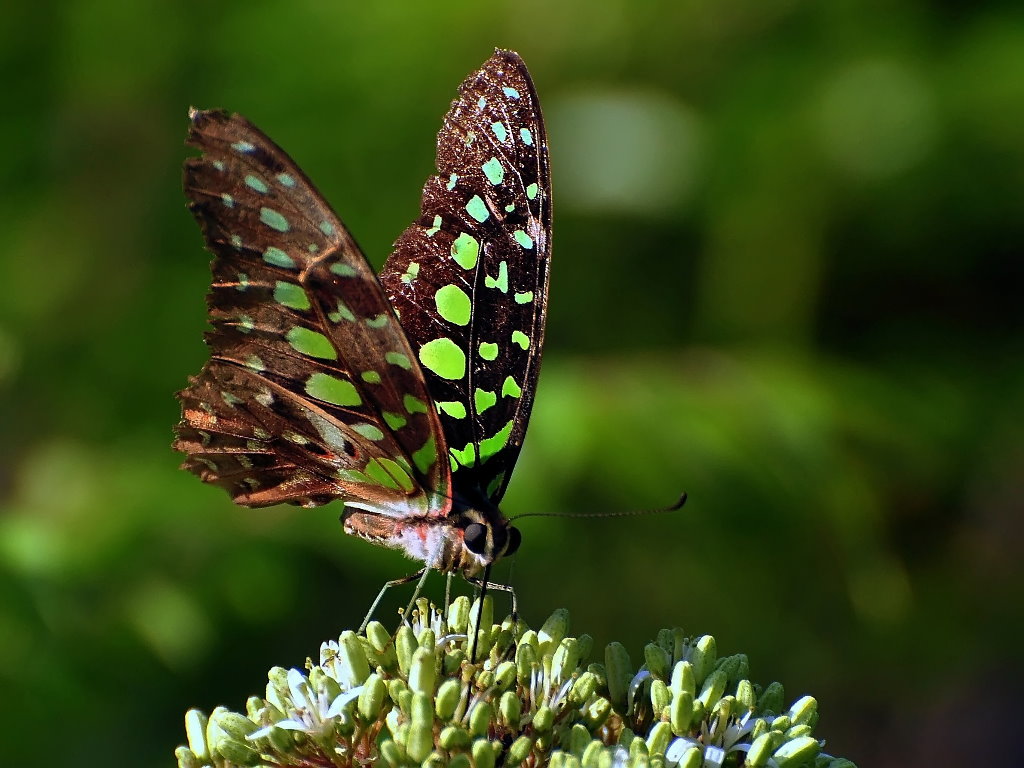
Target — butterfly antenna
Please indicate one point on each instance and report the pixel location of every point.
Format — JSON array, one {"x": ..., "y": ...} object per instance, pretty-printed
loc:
[{"x": 629, "y": 513}]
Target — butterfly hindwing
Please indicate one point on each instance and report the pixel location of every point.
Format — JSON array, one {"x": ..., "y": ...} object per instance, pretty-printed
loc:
[
  {"x": 469, "y": 278},
  {"x": 312, "y": 392}
]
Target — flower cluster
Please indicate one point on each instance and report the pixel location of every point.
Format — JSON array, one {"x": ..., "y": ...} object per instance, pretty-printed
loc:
[{"x": 527, "y": 698}]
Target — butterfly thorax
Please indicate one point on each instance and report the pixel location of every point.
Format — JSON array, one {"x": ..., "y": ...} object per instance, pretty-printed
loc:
[{"x": 466, "y": 540}]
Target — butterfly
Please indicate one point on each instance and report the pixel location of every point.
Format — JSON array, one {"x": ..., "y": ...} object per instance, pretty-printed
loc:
[{"x": 404, "y": 396}]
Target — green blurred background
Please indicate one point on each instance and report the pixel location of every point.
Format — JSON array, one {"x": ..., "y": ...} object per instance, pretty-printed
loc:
[{"x": 787, "y": 278}]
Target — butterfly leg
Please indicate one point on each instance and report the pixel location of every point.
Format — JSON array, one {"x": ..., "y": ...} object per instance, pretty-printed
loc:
[
  {"x": 486, "y": 585},
  {"x": 416, "y": 592},
  {"x": 420, "y": 574}
]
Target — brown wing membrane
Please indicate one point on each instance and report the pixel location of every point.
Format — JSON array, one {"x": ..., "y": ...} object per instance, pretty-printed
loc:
[{"x": 312, "y": 392}]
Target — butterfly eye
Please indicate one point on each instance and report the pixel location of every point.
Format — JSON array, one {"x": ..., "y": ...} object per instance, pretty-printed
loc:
[
  {"x": 476, "y": 538},
  {"x": 515, "y": 538}
]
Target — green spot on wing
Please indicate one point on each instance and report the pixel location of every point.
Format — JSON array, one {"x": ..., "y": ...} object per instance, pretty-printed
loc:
[
  {"x": 278, "y": 258},
  {"x": 477, "y": 209},
  {"x": 512, "y": 93},
  {"x": 453, "y": 304},
  {"x": 520, "y": 338},
  {"x": 494, "y": 171},
  {"x": 483, "y": 399},
  {"x": 273, "y": 219},
  {"x": 444, "y": 357},
  {"x": 399, "y": 359},
  {"x": 290, "y": 295},
  {"x": 526, "y": 136},
  {"x": 243, "y": 146},
  {"x": 380, "y": 473},
  {"x": 414, "y": 405},
  {"x": 341, "y": 313},
  {"x": 524, "y": 298},
  {"x": 311, "y": 343},
  {"x": 369, "y": 431},
  {"x": 465, "y": 457},
  {"x": 342, "y": 269},
  {"x": 451, "y": 182},
  {"x": 523, "y": 239},
  {"x": 453, "y": 408},
  {"x": 488, "y": 350},
  {"x": 465, "y": 250},
  {"x": 492, "y": 445},
  {"x": 327, "y": 228},
  {"x": 500, "y": 131},
  {"x": 501, "y": 281},
  {"x": 256, "y": 183},
  {"x": 425, "y": 457},
  {"x": 379, "y": 321},
  {"x": 370, "y": 377},
  {"x": 227, "y": 199},
  {"x": 510, "y": 388},
  {"x": 331, "y": 389},
  {"x": 395, "y": 421},
  {"x": 531, "y": 191},
  {"x": 286, "y": 179}
]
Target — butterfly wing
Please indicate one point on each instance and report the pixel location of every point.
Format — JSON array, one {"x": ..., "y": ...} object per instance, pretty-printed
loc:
[
  {"x": 312, "y": 392},
  {"x": 469, "y": 278}
]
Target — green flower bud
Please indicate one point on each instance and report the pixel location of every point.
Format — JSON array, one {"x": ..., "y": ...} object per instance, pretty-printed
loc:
[
  {"x": 797, "y": 731},
  {"x": 543, "y": 718},
  {"x": 692, "y": 758},
  {"x": 510, "y": 709},
  {"x": 480, "y": 718},
  {"x": 371, "y": 698},
  {"x": 620, "y": 671},
  {"x": 396, "y": 687},
  {"x": 505, "y": 675},
  {"x": 458, "y": 615},
  {"x": 565, "y": 660},
  {"x": 729, "y": 665},
  {"x": 214, "y": 733},
  {"x": 797, "y": 752},
  {"x": 519, "y": 751},
  {"x": 421, "y": 671},
  {"x": 597, "y": 712},
  {"x": 703, "y": 657},
  {"x": 186, "y": 758},
  {"x": 804, "y": 710},
  {"x": 253, "y": 708},
  {"x": 582, "y": 689},
  {"x": 420, "y": 739},
  {"x": 760, "y": 750},
  {"x": 238, "y": 752},
  {"x": 841, "y": 762},
  {"x": 578, "y": 740},
  {"x": 557, "y": 760},
  {"x": 405, "y": 646},
  {"x": 598, "y": 671},
  {"x": 427, "y": 639},
  {"x": 681, "y": 713},
  {"x": 280, "y": 739},
  {"x": 745, "y": 697},
  {"x": 378, "y": 636},
  {"x": 526, "y": 657},
  {"x": 484, "y": 679},
  {"x": 353, "y": 659},
  {"x": 235, "y": 725},
  {"x": 592, "y": 754},
  {"x": 393, "y": 754},
  {"x": 585, "y": 645},
  {"x": 195, "y": 732},
  {"x": 503, "y": 640},
  {"x": 638, "y": 748},
  {"x": 460, "y": 760},
  {"x": 626, "y": 737},
  {"x": 657, "y": 660},
  {"x": 723, "y": 710},
  {"x": 658, "y": 738},
  {"x": 278, "y": 692},
  {"x": 483, "y": 754},
  {"x": 714, "y": 687},
  {"x": 453, "y": 738},
  {"x": 782, "y": 723},
  {"x": 683, "y": 679},
  {"x": 484, "y": 629},
  {"x": 434, "y": 760},
  {"x": 553, "y": 630},
  {"x": 660, "y": 697},
  {"x": 447, "y": 699},
  {"x": 772, "y": 699},
  {"x": 760, "y": 728}
]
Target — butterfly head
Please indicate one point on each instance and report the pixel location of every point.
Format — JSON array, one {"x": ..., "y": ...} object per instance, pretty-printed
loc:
[{"x": 486, "y": 536}]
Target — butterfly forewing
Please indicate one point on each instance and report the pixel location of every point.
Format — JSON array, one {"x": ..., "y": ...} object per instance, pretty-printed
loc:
[
  {"x": 469, "y": 278},
  {"x": 312, "y": 392}
]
